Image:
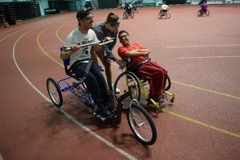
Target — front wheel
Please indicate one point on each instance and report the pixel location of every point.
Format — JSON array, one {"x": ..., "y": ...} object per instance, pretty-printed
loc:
[
  {"x": 160, "y": 15},
  {"x": 54, "y": 92},
  {"x": 141, "y": 124}
]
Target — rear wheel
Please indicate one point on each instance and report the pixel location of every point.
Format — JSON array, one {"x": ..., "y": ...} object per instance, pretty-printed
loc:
[
  {"x": 168, "y": 15},
  {"x": 141, "y": 124},
  {"x": 199, "y": 13},
  {"x": 168, "y": 83},
  {"x": 54, "y": 92},
  {"x": 207, "y": 12},
  {"x": 125, "y": 15},
  {"x": 160, "y": 15}
]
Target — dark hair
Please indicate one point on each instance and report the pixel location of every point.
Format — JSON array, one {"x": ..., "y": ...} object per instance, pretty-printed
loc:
[
  {"x": 82, "y": 14},
  {"x": 122, "y": 31},
  {"x": 112, "y": 19}
]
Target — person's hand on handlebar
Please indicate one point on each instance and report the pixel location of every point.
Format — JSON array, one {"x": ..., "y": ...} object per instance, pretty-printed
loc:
[{"x": 74, "y": 47}]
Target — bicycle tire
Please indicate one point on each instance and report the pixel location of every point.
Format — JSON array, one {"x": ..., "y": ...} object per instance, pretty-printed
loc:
[
  {"x": 127, "y": 81},
  {"x": 142, "y": 124},
  {"x": 54, "y": 92}
]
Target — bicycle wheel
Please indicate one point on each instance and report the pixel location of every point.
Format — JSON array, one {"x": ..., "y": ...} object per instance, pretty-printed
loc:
[
  {"x": 168, "y": 83},
  {"x": 129, "y": 86},
  {"x": 54, "y": 92},
  {"x": 141, "y": 124}
]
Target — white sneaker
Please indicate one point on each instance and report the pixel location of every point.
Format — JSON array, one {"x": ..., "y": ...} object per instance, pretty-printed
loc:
[{"x": 117, "y": 90}]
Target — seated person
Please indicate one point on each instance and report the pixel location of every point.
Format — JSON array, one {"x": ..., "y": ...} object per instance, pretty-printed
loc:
[
  {"x": 164, "y": 7},
  {"x": 155, "y": 74},
  {"x": 81, "y": 63},
  {"x": 128, "y": 8},
  {"x": 204, "y": 6}
]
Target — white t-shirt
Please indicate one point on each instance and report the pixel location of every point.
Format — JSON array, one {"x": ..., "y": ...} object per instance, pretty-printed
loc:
[
  {"x": 164, "y": 7},
  {"x": 76, "y": 37}
]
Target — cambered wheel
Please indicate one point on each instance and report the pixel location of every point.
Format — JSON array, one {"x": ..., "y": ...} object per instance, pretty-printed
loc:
[
  {"x": 168, "y": 83},
  {"x": 54, "y": 92}
]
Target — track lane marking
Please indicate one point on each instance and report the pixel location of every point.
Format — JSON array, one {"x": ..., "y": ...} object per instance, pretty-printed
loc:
[{"x": 203, "y": 46}]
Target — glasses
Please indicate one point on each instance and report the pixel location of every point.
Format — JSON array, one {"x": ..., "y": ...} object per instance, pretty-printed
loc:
[
  {"x": 88, "y": 18},
  {"x": 123, "y": 36}
]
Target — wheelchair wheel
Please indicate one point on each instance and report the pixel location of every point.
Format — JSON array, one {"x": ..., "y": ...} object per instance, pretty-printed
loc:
[
  {"x": 132, "y": 15},
  {"x": 168, "y": 15},
  {"x": 199, "y": 13},
  {"x": 207, "y": 12},
  {"x": 129, "y": 86},
  {"x": 54, "y": 92},
  {"x": 125, "y": 15},
  {"x": 142, "y": 124},
  {"x": 168, "y": 83},
  {"x": 160, "y": 15}
]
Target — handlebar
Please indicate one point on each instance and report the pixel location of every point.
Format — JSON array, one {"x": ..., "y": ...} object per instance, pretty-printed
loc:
[{"x": 100, "y": 43}]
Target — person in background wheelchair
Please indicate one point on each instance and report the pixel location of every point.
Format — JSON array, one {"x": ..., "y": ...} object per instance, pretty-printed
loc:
[
  {"x": 82, "y": 64},
  {"x": 164, "y": 8},
  {"x": 204, "y": 6},
  {"x": 138, "y": 62},
  {"x": 128, "y": 8}
]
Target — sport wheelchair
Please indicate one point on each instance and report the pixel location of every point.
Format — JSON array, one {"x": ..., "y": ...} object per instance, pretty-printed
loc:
[
  {"x": 164, "y": 14},
  {"x": 201, "y": 12},
  {"x": 125, "y": 79},
  {"x": 139, "y": 120},
  {"x": 128, "y": 13}
]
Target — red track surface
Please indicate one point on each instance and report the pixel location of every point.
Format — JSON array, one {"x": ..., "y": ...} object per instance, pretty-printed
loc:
[{"x": 202, "y": 55}]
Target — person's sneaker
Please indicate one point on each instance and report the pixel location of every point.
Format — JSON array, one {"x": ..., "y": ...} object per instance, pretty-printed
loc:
[{"x": 117, "y": 91}]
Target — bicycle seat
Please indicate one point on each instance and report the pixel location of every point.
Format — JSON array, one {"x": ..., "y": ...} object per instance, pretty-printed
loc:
[{"x": 66, "y": 63}]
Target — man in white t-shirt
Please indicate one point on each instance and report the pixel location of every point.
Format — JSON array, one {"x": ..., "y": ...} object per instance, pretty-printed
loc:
[
  {"x": 82, "y": 64},
  {"x": 164, "y": 7}
]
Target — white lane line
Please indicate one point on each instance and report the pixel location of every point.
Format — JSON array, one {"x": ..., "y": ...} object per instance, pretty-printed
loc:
[
  {"x": 206, "y": 57},
  {"x": 122, "y": 152},
  {"x": 204, "y": 46}
]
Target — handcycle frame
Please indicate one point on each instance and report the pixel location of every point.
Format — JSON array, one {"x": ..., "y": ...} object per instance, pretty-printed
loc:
[
  {"x": 138, "y": 118},
  {"x": 142, "y": 91}
]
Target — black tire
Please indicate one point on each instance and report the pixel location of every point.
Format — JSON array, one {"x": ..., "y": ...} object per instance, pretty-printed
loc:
[
  {"x": 199, "y": 13},
  {"x": 168, "y": 15},
  {"x": 127, "y": 81},
  {"x": 160, "y": 15},
  {"x": 207, "y": 12},
  {"x": 142, "y": 124},
  {"x": 132, "y": 15},
  {"x": 54, "y": 92},
  {"x": 168, "y": 83},
  {"x": 125, "y": 15}
]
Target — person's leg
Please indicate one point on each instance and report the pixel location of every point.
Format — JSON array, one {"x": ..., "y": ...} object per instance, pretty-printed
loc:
[{"x": 157, "y": 78}]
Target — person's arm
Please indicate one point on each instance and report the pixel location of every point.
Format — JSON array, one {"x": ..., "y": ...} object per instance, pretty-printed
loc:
[
  {"x": 137, "y": 52},
  {"x": 65, "y": 54}
]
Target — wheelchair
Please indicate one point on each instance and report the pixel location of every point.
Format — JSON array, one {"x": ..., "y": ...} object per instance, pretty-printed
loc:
[
  {"x": 201, "y": 12},
  {"x": 140, "y": 88},
  {"x": 128, "y": 13},
  {"x": 163, "y": 14},
  {"x": 139, "y": 120}
]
